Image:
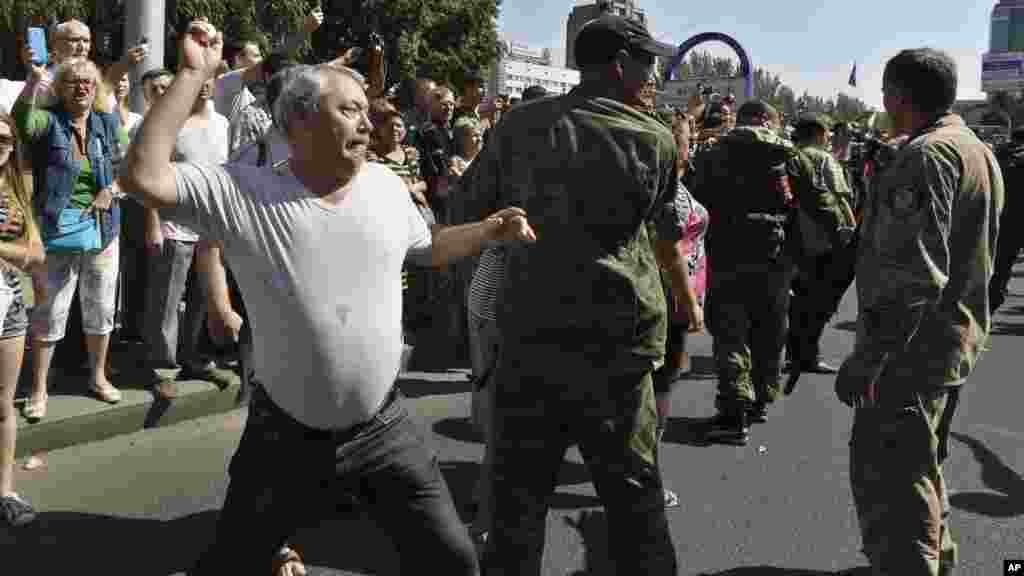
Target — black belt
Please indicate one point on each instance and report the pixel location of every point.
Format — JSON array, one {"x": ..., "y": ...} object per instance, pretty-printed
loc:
[{"x": 338, "y": 435}]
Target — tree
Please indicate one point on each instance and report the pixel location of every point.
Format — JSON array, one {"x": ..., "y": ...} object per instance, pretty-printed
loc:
[{"x": 447, "y": 36}]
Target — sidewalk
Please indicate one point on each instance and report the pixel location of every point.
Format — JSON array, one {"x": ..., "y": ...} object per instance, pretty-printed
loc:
[{"x": 76, "y": 416}]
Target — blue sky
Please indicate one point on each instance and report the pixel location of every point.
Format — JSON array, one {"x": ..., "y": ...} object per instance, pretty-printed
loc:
[{"x": 811, "y": 44}]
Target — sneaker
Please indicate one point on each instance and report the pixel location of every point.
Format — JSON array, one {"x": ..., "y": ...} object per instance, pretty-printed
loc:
[
  {"x": 729, "y": 427},
  {"x": 15, "y": 511}
]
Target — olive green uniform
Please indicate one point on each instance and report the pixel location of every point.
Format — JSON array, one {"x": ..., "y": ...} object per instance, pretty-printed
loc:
[
  {"x": 747, "y": 180},
  {"x": 582, "y": 316},
  {"x": 926, "y": 256},
  {"x": 825, "y": 263}
]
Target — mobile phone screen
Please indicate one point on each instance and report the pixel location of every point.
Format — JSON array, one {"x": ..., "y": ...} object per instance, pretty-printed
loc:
[{"x": 37, "y": 42}]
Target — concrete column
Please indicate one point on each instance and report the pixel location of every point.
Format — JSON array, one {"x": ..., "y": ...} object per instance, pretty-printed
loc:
[{"x": 144, "y": 18}]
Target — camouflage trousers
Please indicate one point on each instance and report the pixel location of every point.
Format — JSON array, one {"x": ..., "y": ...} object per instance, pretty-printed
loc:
[
  {"x": 898, "y": 488},
  {"x": 748, "y": 308}
]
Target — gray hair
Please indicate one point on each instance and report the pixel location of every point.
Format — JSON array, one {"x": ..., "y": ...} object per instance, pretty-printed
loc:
[
  {"x": 300, "y": 92},
  {"x": 60, "y": 31},
  {"x": 77, "y": 65}
]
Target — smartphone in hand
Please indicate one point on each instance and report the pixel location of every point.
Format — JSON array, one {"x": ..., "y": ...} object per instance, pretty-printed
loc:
[{"x": 37, "y": 42}]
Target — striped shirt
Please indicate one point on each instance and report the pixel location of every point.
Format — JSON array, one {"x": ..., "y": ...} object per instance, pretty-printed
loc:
[
  {"x": 483, "y": 289},
  {"x": 408, "y": 169}
]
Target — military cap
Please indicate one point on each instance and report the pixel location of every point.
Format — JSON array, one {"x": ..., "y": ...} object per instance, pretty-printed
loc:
[
  {"x": 534, "y": 92},
  {"x": 601, "y": 38},
  {"x": 808, "y": 121}
]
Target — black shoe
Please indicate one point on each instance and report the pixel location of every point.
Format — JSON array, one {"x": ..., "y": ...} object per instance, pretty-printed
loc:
[
  {"x": 728, "y": 427},
  {"x": 15, "y": 511},
  {"x": 757, "y": 413}
]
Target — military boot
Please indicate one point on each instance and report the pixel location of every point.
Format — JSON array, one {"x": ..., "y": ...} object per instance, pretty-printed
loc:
[{"x": 729, "y": 426}]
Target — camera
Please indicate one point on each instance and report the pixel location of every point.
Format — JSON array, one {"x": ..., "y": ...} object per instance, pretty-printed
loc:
[{"x": 865, "y": 147}]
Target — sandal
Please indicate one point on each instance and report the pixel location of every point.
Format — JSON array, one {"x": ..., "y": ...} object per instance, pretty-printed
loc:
[
  {"x": 107, "y": 393},
  {"x": 35, "y": 411}
]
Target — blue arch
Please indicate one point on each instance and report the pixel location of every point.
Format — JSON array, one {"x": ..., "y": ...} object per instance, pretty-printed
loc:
[{"x": 746, "y": 70}]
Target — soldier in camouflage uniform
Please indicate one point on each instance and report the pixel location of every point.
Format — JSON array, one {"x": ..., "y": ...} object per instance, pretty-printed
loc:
[
  {"x": 824, "y": 263},
  {"x": 582, "y": 314},
  {"x": 744, "y": 181},
  {"x": 930, "y": 227}
]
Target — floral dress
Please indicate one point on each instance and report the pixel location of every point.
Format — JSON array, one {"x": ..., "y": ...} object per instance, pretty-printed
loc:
[{"x": 696, "y": 219}]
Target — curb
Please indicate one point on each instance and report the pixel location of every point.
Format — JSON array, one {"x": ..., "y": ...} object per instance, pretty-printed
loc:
[{"x": 80, "y": 419}]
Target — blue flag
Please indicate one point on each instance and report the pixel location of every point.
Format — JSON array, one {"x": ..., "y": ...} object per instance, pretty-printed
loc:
[{"x": 853, "y": 76}]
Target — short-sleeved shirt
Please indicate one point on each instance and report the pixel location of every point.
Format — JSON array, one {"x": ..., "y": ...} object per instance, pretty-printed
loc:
[
  {"x": 592, "y": 174},
  {"x": 928, "y": 237},
  {"x": 207, "y": 145},
  {"x": 322, "y": 283}
]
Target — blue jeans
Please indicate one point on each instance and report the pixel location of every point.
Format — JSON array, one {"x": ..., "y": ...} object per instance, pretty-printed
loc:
[{"x": 383, "y": 461}]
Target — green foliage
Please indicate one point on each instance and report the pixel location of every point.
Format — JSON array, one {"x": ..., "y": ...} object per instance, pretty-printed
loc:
[
  {"x": 772, "y": 89},
  {"x": 446, "y": 36}
]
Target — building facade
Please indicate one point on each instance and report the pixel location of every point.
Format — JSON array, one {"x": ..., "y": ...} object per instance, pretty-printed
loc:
[
  {"x": 580, "y": 15},
  {"x": 520, "y": 66}
]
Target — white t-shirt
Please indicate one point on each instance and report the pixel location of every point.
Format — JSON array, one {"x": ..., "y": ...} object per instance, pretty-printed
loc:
[
  {"x": 322, "y": 283},
  {"x": 204, "y": 145},
  {"x": 9, "y": 91}
]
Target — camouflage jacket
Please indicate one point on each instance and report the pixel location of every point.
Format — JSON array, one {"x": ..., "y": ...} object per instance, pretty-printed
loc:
[
  {"x": 925, "y": 258},
  {"x": 591, "y": 173},
  {"x": 826, "y": 197},
  {"x": 749, "y": 172}
]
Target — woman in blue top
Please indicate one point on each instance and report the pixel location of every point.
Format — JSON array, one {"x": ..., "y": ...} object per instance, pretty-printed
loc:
[{"x": 74, "y": 150}]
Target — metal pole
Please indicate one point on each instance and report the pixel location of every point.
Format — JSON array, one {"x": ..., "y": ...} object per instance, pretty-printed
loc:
[{"x": 144, "y": 19}]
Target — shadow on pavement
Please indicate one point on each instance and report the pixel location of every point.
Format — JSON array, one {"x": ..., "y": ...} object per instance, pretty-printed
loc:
[
  {"x": 686, "y": 431},
  {"x": 1008, "y": 329},
  {"x": 418, "y": 388},
  {"x": 846, "y": 326},
  {"x": 592, "y": 527},
  {"x": 1008, "y": 499},
  {"x": 701, "y": 368},
  {"x": 79, "y": 543}
]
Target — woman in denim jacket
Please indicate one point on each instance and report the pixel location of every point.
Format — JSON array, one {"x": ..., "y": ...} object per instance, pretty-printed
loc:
[{"x": 74, "y": 150}]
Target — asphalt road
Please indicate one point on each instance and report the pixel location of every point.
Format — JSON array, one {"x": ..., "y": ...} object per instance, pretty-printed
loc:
[{"x": 146, "y": 504}]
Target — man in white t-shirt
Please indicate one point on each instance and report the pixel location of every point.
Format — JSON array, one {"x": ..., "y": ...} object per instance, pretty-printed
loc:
[
  {"x": 171, "y": 248},
  {"x": 318, "y": 245}
]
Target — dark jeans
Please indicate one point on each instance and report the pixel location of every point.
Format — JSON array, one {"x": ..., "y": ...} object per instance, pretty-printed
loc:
[
  {"x": 540, "y": 412},
  {"x": 818, "y": 288},
  {"x": 383, "y": 462}
]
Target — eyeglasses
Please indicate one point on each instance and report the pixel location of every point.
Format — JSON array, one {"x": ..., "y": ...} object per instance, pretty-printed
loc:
[{"x": 81, "y": 82}]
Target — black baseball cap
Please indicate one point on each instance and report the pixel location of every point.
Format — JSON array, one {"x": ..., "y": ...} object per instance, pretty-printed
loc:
[
  {"x": 534, "y": 92},
  {"x": 601, "y": 38}
]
